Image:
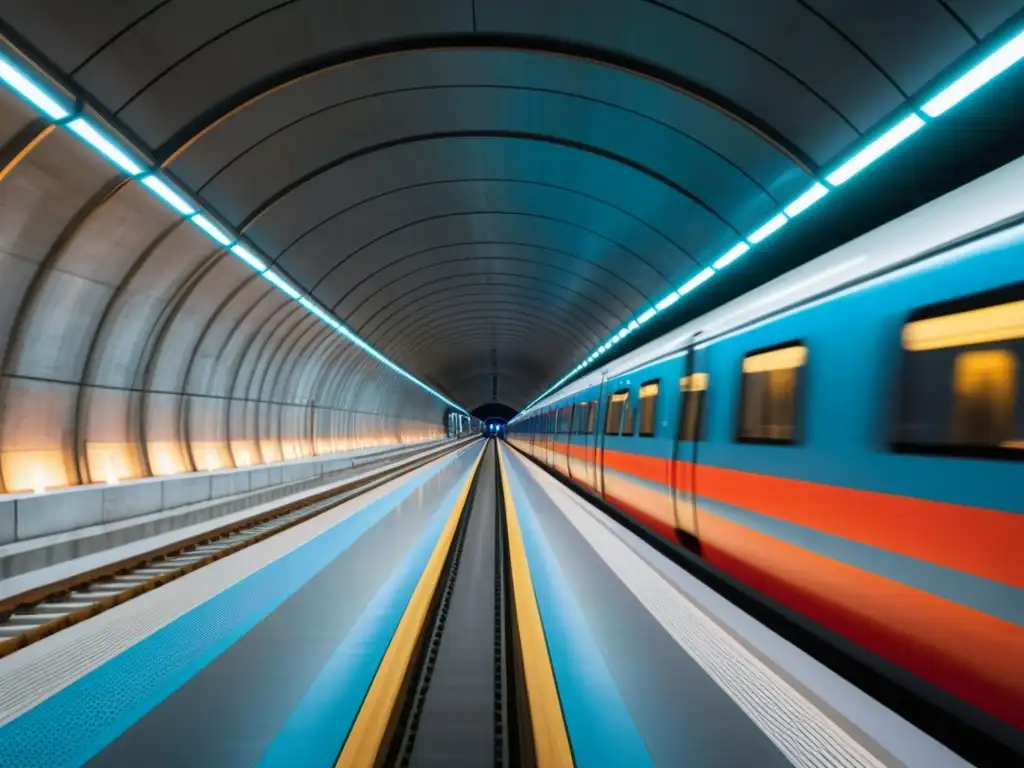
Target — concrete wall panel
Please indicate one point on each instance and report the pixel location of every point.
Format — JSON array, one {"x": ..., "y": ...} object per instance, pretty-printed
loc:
[
  {"x": 41, "y": 195},
  {"x": 233, "y": 337},
  {"x": 123, "y": 338},
  {"x": 213, "y": 366},
  {"x": 110, "y": 432},
  {"x": 165, "y": 449},
  {"x": 55, "y": 345},
  {"x": 207, "y": 432},
  {"x": 15, "y": 115},
  {"x": 47, "y": 514},
  {"x": 37, "y": 435},
  {"x": 171, "y": 357},
  {"x": 8, "y": 524},
  {"x": 15, "y": 278},
  {"x": 107, "y": 243}
]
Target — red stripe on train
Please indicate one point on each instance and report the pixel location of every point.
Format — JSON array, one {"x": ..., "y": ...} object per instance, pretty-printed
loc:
[
  {"x": 971, "y": 654},
  {"x": 982, "y": 542}
]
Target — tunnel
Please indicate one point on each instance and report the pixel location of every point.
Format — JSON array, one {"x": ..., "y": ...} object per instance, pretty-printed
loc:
[{"x": 247, "y": 245}]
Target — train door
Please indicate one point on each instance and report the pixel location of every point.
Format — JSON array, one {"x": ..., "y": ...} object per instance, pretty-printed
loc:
[
  {"x": 600, "y": 407},
  {"x": 689, "y": 431},
  {"x": 549, "y": 442},
  {"x": 617, "y": 430},
  {"x": 590, "y": 443},
  {"x": 565, "y": 440},
  {"x": 562, "y": 446},
  {"x": 572, "y": 467}
]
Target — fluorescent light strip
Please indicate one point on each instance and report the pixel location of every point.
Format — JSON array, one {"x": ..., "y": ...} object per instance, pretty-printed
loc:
[
  {"x": 248, "y": 257},
  {"x": 697, "y": 280},
  {"x": 32, "y": 92},
  {"x": 321, "y": 313},
  {"x": 272, "y": 277},
  {"x": 667, "y": 302},
  {"x": 106, "y": 147},
  {"x": 994, "y": 64},
  {"x": 211, "y": 229},
  {"x": 806, "y": 200},
  {"x": 646, "y": 316},
  {"x": 50, "y": 105},
  {"x": 168, "y": 195},
  {"x": 731, "y": 255},
  {"x": 903, "y": 130},
  {"x": 770, "y": 227},
  {"x": 378, "y": 356}
]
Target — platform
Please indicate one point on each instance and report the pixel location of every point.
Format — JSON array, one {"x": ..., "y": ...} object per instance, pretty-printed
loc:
[{"x": 294, "y": 651}]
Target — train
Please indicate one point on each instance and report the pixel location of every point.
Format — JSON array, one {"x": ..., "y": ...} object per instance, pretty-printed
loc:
[{"x": 847, "y": 439}]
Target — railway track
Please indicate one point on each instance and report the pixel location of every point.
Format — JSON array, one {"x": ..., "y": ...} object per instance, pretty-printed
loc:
[
  {"x": 459, "y": 705},
  {"x": 30, "y": 616}
]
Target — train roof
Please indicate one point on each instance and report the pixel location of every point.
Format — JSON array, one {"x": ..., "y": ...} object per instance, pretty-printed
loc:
[{"x": 985, "y": 205}]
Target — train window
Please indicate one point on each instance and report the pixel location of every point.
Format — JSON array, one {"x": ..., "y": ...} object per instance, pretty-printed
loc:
[
  {"x": 648, "y": 408},
  {"x": 613, "y": 417},
  {"x": 961, "y": 382},
  {"x": 693, "y": 389},
  {"x": 628, "y": 416},
  {"x": 771, "y": 383},
  {"x": 591, "y": 416},
  {"x": 566, "y": 419}
]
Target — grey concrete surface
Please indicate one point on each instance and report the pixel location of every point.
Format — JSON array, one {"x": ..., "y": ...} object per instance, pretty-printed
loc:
[{"x": 39, "y": 531}]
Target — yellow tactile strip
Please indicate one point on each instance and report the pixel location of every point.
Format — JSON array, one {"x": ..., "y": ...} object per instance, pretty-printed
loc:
[
  {"x": 550, "y": 739},
  {"x": 363, "y": 745}
]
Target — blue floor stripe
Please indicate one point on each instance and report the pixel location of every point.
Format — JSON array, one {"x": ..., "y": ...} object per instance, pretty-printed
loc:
[
  {"x": 601, "y": 728},
  {"x": 76, "y": 723},
  {"x": 316, "y": 730}
]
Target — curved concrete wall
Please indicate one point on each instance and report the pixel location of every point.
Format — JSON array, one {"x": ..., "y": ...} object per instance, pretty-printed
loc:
[{"x": 132, "y": 348}]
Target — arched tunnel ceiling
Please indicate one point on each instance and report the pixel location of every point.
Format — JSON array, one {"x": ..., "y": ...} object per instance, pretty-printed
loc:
[{"x": 485, "y": 189}]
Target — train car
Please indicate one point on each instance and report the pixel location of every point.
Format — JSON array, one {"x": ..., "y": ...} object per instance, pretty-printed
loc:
[{"x": 847, "y": 439}]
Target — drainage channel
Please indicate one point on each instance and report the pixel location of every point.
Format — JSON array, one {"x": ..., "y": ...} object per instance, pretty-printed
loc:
[
  {"x": 459, "y": 708},
  {"x": 52, "y": 610}
]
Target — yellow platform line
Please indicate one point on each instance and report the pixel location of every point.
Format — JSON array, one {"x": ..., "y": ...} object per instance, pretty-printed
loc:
[
  {"x": 550, "y": 738},
  {"x": 366, "y": 738}
]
